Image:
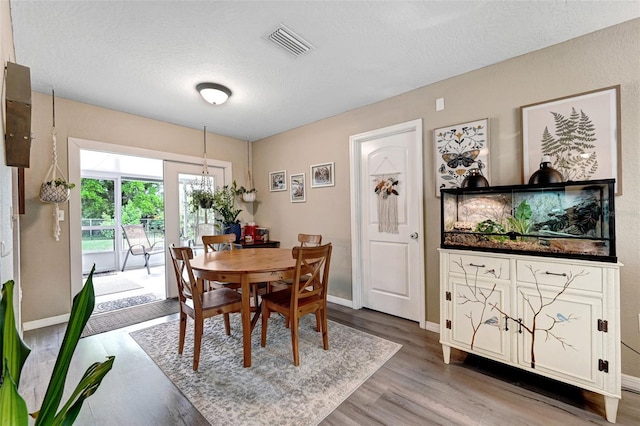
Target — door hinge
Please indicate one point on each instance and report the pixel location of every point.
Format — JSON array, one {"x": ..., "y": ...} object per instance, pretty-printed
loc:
[
  {"x": 603, "y": 325},
  {"x": 603, "y": 365},
  {"x": 448, "y": 324},
  {"x": 447, "y": 295}
]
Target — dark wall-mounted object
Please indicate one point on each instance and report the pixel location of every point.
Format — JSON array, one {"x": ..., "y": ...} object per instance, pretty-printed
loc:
[{"x": 18, "y": 124}]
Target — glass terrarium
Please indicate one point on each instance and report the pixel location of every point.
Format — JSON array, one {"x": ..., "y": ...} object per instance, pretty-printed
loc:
[{"x": 569, "y": 219}]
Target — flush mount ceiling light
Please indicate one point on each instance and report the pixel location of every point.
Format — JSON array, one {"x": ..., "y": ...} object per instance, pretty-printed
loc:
[{"x": 213, "y": 93}]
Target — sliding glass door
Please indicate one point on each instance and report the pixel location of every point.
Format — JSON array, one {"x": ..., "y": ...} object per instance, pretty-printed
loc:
[{"x": 184, "y": 225}]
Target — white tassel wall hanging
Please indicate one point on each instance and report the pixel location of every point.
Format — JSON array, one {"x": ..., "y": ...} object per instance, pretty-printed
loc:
[
  {"x": 387, "y": 192},
  {"x": 55, "y": 189}
]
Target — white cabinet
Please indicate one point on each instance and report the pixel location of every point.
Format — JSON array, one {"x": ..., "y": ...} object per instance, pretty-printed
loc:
[{"x": 550, "y": 316}]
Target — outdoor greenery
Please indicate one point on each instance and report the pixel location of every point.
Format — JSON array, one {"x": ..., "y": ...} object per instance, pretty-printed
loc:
[
  {"x": 14, "y": 353},
  {"x": 142, "y": 201}
]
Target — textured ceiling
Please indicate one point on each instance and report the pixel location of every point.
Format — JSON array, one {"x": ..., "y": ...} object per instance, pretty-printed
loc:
[{"x": 146, "y": 57}]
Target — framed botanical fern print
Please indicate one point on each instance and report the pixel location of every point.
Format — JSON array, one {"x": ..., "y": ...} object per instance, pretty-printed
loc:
[{"x": 580, "y": 133}]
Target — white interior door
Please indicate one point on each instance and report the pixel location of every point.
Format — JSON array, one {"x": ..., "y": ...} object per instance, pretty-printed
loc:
[
  {"x": 180, "y": 222},
  {"x": 387, "y": 230}
]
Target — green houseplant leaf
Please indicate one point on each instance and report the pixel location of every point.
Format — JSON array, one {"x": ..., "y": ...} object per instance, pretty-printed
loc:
[
  {"x": 13, "y": 409},
  {"x": 14, "y": 351},
  {"x": 83, "y": 304}
]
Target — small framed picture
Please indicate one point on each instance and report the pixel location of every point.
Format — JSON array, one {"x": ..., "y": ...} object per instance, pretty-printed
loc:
[
  {"x": 322, "y": 175},
  {"x": 278, "y": 181},
  {"x": 296, "y": 188}
]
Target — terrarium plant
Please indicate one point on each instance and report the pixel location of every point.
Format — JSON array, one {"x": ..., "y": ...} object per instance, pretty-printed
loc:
[
  {"x": 521, "y": 222},
  {"x": 14, "y": 353},
  {"x": 493, "y": 228}
]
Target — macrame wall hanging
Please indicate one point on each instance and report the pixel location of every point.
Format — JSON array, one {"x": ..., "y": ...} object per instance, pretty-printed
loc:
[
  {"x": 55, "y": 189},
  {"x": 387, "y": 195}
]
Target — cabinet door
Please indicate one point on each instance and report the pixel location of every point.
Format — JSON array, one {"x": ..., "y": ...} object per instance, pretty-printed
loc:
[
  {"x": 476, "y": 322},
  {"x": 558, "y": 336}
]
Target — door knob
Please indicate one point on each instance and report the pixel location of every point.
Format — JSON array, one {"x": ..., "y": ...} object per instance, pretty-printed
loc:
[{"x": 414, "y": 236}]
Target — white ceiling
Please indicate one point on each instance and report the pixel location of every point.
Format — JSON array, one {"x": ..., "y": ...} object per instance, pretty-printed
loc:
[{"x": 146, "y": 57}]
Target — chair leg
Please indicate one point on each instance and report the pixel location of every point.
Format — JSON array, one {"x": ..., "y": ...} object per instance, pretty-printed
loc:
[
  {"x": 197, "y": 341},
  {"x": 183, "y": 329},
  {"x": 227, "y": 325},
  {"x": 146, "y": 262},
  {"x": 294, "y": 341},
  {"x": 125, "y": 260},
  {"x": 325, "y": 330},
  {"x": 318, "y": 319},
  {"x": 265, "y": 318}
]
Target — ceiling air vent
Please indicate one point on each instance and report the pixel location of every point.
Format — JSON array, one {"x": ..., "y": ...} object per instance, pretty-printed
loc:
[{"x": 286, "y": 39}]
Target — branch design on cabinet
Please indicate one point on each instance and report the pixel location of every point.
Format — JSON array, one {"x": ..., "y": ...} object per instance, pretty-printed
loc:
[
  {"x": 477, "y": 297},
  {"x": 537, "y": 304}
]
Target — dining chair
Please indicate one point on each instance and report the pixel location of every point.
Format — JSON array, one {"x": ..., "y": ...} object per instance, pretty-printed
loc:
[
  {"x": 305, "y": 240},
  {"x": 309, "y": 240},
  {"x": 198, "y": 304},
  {"x": 224, "y": 242},
  {"x": 139, "y": 244},
  {"x": 307, "y": 295}
]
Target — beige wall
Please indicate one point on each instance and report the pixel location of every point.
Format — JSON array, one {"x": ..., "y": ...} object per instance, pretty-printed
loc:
[
  {"x": 598, "y": 60},
  {"x": 45, "y": 262},
  {"x": 605, "y": 58}
]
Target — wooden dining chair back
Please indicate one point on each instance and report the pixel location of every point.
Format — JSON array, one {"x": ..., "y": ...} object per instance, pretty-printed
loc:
[
  {"x": 197, "y": 304},
  {"x": 224, "y": 242},
  {"x": 305, "y": 240},
  {"x": 307, "y": 295},
  {"x": 309, "y": 240},
  {"x": 139, "y": 244},
  {"x": 218, "y": 242}
]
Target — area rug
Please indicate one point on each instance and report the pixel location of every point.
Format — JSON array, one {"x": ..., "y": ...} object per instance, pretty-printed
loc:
[
  {"x": 272, "y": 391},
  {"x": 109, "y": 284},
  {"x": 104, "y": 322},
  {"x": 125, "y": 302}
]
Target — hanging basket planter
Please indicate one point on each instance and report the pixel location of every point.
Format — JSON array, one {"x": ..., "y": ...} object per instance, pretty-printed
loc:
[
  {"x": 54, "y": 192},
  {"x": 249, "y": 197}
]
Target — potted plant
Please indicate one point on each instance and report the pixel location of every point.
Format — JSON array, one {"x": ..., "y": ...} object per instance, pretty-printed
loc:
[
  {"x": 14, "y": 353},
  {"x": 57, "y": 190},
  {"x": 248, "y": 195},
  {"x": 202, "y": 198},
  {"x": 225, "y": 208}
]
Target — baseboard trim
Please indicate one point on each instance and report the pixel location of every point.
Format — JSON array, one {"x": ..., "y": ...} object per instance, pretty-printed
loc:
[
  {"x": 340, "y": 301},
  {"x": 433, "y": 326},
  {"x": 631, "y": 383},
  {"x": 45, "y": 322}
]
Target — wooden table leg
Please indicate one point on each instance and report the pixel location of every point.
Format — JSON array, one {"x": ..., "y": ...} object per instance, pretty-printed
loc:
[{"x": 246, "y": 319}]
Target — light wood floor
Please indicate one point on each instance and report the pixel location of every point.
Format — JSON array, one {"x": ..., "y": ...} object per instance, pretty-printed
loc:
[{"x": 415, "y": 387}]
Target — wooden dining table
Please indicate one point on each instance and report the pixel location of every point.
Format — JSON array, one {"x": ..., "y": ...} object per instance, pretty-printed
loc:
[{"x": 247, "y": 267}]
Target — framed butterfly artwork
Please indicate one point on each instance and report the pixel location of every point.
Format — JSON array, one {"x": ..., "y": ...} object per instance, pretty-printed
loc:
[{"x": 458, "y": 149}]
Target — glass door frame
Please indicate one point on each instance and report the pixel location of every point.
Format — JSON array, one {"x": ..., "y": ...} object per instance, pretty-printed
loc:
[{"x": 75, "y": 145}]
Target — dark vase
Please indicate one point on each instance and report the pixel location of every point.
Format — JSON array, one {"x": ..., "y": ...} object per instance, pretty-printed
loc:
[
  {"x": 546, "y": 173},
  {"x": 475, "y": 179},
  {"x": 233, "y": 228}
]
